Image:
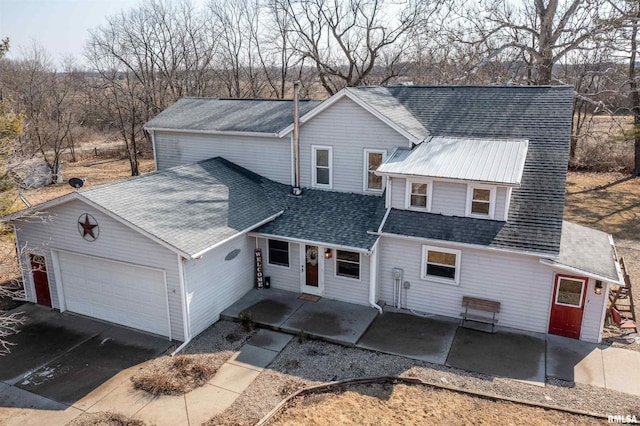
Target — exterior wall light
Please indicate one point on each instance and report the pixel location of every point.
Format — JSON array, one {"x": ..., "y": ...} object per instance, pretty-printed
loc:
[
  {"x": 598, "y": 288},
  {"x": 328, "y": 253}
]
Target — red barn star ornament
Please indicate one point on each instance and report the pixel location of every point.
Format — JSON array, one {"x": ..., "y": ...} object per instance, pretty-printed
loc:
[{"x": 88, "y": 227}]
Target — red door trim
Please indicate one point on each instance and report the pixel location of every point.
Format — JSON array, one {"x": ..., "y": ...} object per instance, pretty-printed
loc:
[{"x": 557, "y": 324}]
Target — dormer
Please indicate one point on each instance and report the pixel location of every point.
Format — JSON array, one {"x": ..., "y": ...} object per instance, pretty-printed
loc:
[{"x": 470, "y": 177}]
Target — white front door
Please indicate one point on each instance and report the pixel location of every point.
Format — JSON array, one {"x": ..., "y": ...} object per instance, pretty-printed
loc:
[{"x": 312, "y": 270}]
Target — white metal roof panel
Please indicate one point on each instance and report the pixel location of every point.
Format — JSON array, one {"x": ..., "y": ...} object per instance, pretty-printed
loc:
[{"x": 499, "y": 161}]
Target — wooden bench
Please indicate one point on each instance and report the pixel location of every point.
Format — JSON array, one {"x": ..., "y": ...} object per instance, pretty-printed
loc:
[{"x": 475, "y": 304}]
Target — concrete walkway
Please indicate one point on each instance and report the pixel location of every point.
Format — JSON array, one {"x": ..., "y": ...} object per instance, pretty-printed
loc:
[{"x": 20, "y": 407}]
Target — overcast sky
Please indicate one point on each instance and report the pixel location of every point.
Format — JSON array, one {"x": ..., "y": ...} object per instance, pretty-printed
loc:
[{"x": 60, "y": 26}]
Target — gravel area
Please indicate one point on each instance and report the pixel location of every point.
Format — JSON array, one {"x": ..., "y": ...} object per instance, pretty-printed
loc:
[
  {"x": 313, "y": 362},
  {"x": 223, "y": 336}
]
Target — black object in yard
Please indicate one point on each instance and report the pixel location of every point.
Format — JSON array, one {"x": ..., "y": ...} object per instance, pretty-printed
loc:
[{"x": 267, "y": 282}]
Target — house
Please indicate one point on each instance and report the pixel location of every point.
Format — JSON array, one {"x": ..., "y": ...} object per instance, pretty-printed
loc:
[{"x": 410, "y": 196}]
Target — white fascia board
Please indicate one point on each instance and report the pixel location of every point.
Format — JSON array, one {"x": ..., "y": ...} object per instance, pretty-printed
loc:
[
  {"x": 578, "y": 271},
  {"x": 40, "y": 207},
  {"x": 310, "y": 242},
  {"x": 457, "y": 244},
  {"x": 236, "y": 235},
  {"x": 215, "y": 132},
  {"x": 442, "y": 179}
]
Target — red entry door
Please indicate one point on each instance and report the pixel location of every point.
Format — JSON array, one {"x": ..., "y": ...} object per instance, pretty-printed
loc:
[
  {"x": 40, "y": 280},
  {"x": 569, "y": 294}
]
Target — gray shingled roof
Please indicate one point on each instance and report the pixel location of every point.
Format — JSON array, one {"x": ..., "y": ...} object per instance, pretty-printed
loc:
[
  {"x": 541, "y": 115},
  {"x": 381, "y": 99},
  {"x": 193, "y": 207},
  {"x": 497, "y": 161},
  {"x": 588, "y": 250},
  {"x": 232, "y": 115},
  {"x": 332, "y": 218}
]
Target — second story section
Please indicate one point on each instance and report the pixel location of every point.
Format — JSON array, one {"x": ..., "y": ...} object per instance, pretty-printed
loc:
[{"x": 466, "y": 177}]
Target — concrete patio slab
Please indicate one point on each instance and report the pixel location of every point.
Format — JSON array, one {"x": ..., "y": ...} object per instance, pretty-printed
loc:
[
  {"x": 165, "y": 411},
  {"x": 253, "y": 357},
  {"x": 622, "y": 370},
  {"x": 81, "y": 370},
  {"x": 423, "y": 338},
  {"x": 519, "y": 356},
  {"x": 269, "y": 339},
  {"x": 234, "y": 378},
  {"x": 334, "y": 321},
  {"x": 269, "y": 307},
  {"x": 207, "y": 401},
  {"x": 26, "y": 416},
  {"x": 124, "y": 399},
  {"x": 574, "y": 360}
]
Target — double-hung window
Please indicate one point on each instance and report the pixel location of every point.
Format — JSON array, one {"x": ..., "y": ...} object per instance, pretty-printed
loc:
[
  {"x": 481, "y": 201},
  {"x": 372, "y": 160},
  {"x": 322, "y": 165},
  {"x": 441, "y": 265},
  {"x": 348, "y": 264},
  {"x": 279, "y": 253},
  {"x": 418, "y": 195}
]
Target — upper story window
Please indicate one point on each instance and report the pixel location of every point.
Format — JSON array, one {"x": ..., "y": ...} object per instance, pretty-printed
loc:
[
  {"x": 322, "y": 166},
  {"x": 418, "y": 196},
  {"x": 441, "y": 264},
  {"x": 372, "y": 160},
  {"x": 481, "y": 201},
  {"x": 279, "y": 253},
  {"x": 348, "y": 264}
]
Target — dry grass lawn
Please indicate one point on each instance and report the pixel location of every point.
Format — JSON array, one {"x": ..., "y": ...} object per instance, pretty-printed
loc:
[
  {"x": 105, "y": 419},
  {"x": 387, "y": 404}
]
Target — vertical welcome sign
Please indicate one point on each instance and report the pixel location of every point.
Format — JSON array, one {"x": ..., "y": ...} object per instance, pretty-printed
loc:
[{"x": 259, "y": 274}]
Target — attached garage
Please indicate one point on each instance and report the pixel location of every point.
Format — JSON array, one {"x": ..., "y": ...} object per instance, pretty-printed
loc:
[{"x": 122, "y": 293}]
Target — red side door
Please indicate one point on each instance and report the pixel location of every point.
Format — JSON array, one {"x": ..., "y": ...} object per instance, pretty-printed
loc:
[
  {"x": 40, "y": 280},
  {"x": 567, "y": 307}
]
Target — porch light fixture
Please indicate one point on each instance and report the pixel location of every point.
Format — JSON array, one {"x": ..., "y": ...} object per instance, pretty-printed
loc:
[
  {"x": 328, "y": 253},
  {"x": 598, "y": 288}
]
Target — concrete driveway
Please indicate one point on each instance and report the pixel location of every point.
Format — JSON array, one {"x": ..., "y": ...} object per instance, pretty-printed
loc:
[{"x": 62, "y": 357}]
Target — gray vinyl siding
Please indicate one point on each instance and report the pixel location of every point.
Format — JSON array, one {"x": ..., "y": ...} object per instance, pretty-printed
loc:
[
  {"x": 347, "y": 289},
  {"x": 449, "y": 198},
  {"x": 501, "y": 200},
  {"x": 522, "y": 285},
  {"x": 349, "y": 129},
  {"x": 398, "y": 192},
  {"x": 213, "y": 283},
  {"x": 282, "y": 277},
  {"x": 268, "y": 157},
  {"x": 115, "y": 242},
  {"x": 592, "y": 313}
]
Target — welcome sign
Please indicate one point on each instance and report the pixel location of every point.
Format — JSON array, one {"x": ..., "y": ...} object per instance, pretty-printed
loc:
[{"x": 259, "y": 275}]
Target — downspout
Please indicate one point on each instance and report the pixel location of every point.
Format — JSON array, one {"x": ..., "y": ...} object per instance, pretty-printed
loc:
[
  {"x": 185, "y": 306},
  {"x": 373, "y": 272},
  {"x": 296, "y": 137}
]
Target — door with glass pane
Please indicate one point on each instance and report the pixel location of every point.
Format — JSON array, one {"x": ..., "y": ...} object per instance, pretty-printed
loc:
[
  {"x": 311, "y": 273},
  {"x": 567, "y": 307}
]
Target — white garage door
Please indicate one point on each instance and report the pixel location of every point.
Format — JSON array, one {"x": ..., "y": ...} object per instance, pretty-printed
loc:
[{"x": 116, "y": 292}]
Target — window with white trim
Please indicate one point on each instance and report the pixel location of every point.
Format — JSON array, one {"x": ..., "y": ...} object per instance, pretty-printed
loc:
[
  {"x": 348, "y": 264},
  {"x": 418, "y": 195},
  {"x": 481, "y": 201},
  {"x": 322, "y": 164},
  {"x": 372, "y": 160},
  {"x": 441, "y": 265},
  {"x": 279, "y": 253}
]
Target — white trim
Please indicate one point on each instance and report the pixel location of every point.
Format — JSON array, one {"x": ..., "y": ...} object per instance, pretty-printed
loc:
[
  {"x": 62, "y": 301},
  {"x": 153, "y": 146},
  {"x": 314, "y": 149},
  {"x": 269, "y": 254},
  {"x": 387, "y": 199},
  {"x": 365, "y": 169},
  {"x": 492, "y": 201},
  {"x": 346, "y": 93},
  {"x": 507, "y": 203},
  {"x": 215, "y": 132},
  {"x": 572, "y": 270},
  {"x": 584, "y": 281},
  {"x": 407, "y": 195},
  {"x": 239, "y": 234},
  {"x": 446, "y": 179},
  {"x": 33, "y": 281},
  {"x": 373, "y": 276},
  {"x": 603, "y": 314},
  {"x": 616, "y": 258},
  {"x": 335, "y": 266},
  {"x": 423, "y": 267},
  {"x": 186, "y": 317},
  {"x": 309, "y": 242},
  {"x": 19, "y": 254},
  {"x": 318, "y": 291},
  {"x": 463, "y": 245},
  {"x": 39, "y": 207}
]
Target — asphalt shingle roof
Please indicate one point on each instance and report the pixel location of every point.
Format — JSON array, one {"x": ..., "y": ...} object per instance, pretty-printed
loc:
[
  {"x": 193, "y": 207},
  {"x": 233, "y": 115},
  {"x": 541, "y": 115}
]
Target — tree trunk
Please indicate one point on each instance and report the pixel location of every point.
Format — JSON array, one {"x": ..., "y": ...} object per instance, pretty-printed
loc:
[{"x": 634, "y": 96}]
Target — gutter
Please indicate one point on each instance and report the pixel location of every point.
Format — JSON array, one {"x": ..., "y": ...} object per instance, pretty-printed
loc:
[
  {"x": 214, "y": 132},
  {"x": 573, "y": 270}
]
